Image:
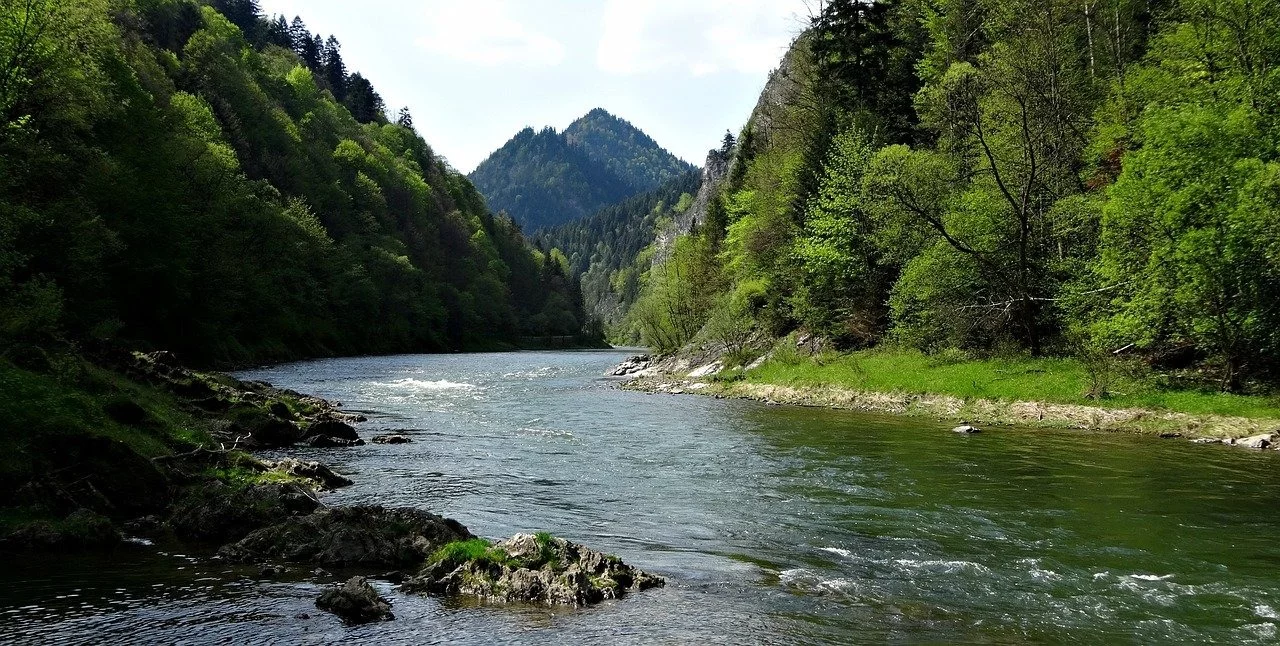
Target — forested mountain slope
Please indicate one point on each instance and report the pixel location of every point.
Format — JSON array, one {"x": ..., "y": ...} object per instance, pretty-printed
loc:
[
  {"x": 202, "y": 179},
  {"x": 545, "y": 178},
  {"x": 611, "y": 249},
  {"x": 1013, "y": 176}
]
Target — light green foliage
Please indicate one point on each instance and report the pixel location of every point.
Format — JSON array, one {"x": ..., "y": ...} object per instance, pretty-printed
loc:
[{"x": 678, "y": 296}]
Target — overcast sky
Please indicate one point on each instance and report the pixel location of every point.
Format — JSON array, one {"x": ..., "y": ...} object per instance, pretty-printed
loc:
[{"x": 474, "y": 72}]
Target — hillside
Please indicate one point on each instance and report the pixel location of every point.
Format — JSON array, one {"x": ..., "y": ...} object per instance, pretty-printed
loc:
[
  {"x": 230, "y": 191},
  {"x": 545, "y": 178},
  {"x": 1008, "y": 184}
]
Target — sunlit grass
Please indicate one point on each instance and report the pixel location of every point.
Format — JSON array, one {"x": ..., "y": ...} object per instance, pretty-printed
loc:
[{"x": 1054, "y": 380}]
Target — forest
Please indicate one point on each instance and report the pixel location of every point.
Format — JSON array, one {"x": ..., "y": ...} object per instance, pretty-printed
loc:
[
  {"x": 201, "y": 178},
  {"x": 544, "y": 178},
  {"x": 1095, "y": 179}
]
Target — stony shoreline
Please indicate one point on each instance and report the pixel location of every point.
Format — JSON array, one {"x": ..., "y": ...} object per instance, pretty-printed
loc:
[
  {"x": 681, "y": 377},
  {"x": 220, "y": 498}
]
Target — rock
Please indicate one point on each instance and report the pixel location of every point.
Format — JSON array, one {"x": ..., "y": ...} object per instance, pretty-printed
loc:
[
  {"x": 529, "y": 569},
  {"x": 218, "y": 513},
  {"x": 318, "y": 473},
  {"x": 966, "y": 429},
  {"x": 1208, "y": 440},
  {"x": 356, "y": 602},
  {"x": 279, "y": 409},
  {"x": 79, "y": 530},
  {"x": 322, "y": 442},
  {"x": 1170, "y": 436},
  {"x": 332, "y": 428},
  {"x": 1257, "y": 441},
  {"x": 392, "y": 439},
  {"x": 271, "y": 572},
  {"x": 264, "y": 430},
  {"x": 632, "y": 366},
  {"x": 350, "y": 536},
  {"x": 321, "y": 572},
  {"x": 707, "y": 370},
  {"x": 394, "y": 576}
]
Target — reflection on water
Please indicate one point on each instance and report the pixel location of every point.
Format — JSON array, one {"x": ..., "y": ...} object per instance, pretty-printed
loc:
[{"x": 774, "y": 525}]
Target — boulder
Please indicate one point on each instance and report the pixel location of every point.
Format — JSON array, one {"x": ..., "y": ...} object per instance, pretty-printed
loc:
[
  {"x": 216, "y": 513},
  {"x": 350, "y": 537},
  {"x": 356, "y": 602},
  {"x": 323, "y": 476},
  {"x": 331, "y": 427},
  {"x": 392, "y": 439},
  {"x": 1257, "y": 441},
  {"x": 79, "y": 530},
  {"x": 529, "y": 569},
  {"x": 325, "y": 442},
  {"x": 966, "y": 429}
]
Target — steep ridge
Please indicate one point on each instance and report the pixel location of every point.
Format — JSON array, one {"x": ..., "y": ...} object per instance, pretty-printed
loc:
[{"x": 546, "y": 178}]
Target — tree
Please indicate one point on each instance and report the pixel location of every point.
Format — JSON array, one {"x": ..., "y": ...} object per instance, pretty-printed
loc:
[
  {"x": 363, "y": 101},
  {"x": 404, "y": 118},
  {"x": 335, "y": 71}
]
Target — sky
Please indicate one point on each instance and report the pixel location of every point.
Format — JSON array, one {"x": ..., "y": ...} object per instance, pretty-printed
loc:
[{"x": 475, "y": 72}]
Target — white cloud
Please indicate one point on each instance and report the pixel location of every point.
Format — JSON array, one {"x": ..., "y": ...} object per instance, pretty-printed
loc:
[
  {"x": 746, "y": 36},
  {"x": 486, "y": 32}
]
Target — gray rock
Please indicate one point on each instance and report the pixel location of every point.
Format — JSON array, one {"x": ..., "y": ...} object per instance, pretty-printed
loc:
[
  {"x": 1256, "y": 442},
  {"x": 217, "y": 513},
  {"x": 330, "y": 426},
  {"x": 321, "y": 475},
  {"x": 532, "y": 569},
  {"x": 966, "y": 429},
  {"x": 350, "y": 537},
  {"x": 392, "y": 439},
  {"x": 356, "y": 602}
]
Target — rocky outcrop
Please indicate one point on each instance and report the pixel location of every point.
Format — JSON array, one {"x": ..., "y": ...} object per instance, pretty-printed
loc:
[
  {"x": 82, "y": 529},
  {"x": 356, "y": 602},
  {"x": 529, "y": 569},
  {"x": 632, "y": 366},
  {"x": 217, "y": 512},
  {"x": 321, "y": 475},
  {"x": 350, "y": 536}
]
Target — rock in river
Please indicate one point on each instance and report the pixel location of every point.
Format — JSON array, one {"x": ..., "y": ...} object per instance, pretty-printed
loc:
[
  {"x": 529, "y": 569},
  {"x": 966, "y": 429},
  {"x": 392, "y": 439},
  {"x": 356, "y": 602},
  {"x": 349, "y": 537},
  {"x": 321, "y": 475}
]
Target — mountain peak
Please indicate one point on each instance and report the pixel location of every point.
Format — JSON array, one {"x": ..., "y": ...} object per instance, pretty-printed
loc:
[{"x": 552, "y": 178}]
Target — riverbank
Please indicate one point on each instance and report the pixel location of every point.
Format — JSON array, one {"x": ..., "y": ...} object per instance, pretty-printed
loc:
[
  {"x": 126, "y": 450},
  {"x": 1014, "y": 392}
]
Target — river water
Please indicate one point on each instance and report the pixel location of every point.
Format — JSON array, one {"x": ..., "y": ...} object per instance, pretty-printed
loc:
[{"x": 772, "y": 525}]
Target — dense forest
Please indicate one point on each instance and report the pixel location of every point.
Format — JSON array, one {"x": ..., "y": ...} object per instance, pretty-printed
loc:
[
  {"x": 612, "y": 248},
  {"x": 546, "y": 178},
  {"x": 1088, "y": 178},
  {"x": 198, "y": 177}
]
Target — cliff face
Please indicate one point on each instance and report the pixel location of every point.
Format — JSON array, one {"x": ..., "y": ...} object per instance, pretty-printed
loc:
[{"x": 784, "y": 91}]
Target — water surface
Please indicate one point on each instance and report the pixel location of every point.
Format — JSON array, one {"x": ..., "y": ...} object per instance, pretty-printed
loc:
[{"x": 772, "y": 525}]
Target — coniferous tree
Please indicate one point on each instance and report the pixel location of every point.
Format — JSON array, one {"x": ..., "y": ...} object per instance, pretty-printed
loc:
[
  {"x": 335, "y": 71},
  {"x": 404, "y": 118}
]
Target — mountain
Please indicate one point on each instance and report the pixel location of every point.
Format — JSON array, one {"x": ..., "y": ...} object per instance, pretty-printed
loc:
[{"x": 545, "y": 178}]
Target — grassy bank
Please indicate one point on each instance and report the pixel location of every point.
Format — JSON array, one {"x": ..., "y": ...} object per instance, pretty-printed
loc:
[{"x": 1016, "y": 390}]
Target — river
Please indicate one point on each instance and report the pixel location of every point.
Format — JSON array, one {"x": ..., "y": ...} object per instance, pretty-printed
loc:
[{"x": 772, "y": 525}]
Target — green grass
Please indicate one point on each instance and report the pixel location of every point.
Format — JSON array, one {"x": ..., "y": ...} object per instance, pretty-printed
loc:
[
  {"x": 1053, "y": 380},
  {"x": 476, "y": 549},
  {"x": 73, "y": 403}
]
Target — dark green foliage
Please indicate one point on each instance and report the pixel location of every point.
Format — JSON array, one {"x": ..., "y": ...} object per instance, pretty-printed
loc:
[
  {"x": 544, "y": 178},
  {"x": 170, "y": 183}
]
